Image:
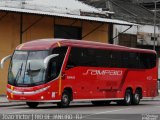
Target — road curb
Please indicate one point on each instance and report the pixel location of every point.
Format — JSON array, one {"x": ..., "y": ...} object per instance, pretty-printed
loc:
[
  {"x": 154, "y": 99},
  {"x": 12, "y": 105},
  {"x": 5, "y": 104},
  {"x": 150, "y": 100}
]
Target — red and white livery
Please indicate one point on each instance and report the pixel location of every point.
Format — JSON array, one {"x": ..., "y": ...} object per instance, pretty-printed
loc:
[{"x": 61, "y": 71}]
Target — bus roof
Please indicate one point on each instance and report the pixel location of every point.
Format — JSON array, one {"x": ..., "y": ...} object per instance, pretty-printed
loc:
[{"x": 46, "y": 44}]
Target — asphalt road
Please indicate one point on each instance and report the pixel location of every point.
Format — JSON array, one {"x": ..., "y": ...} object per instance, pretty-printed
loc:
[{"x": 147, "y": 110}]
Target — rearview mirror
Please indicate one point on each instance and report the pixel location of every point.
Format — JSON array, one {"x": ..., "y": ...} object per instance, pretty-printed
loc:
[
  {"x": 47, "y": 59},
  {"x": 4, "y": 60}
]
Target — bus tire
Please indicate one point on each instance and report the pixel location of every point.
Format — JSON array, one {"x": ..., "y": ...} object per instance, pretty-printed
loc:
[
  {"x": 136, "y": 98},
  {"x": 128, "y": 97},
  {"x": 32, "y": 104},
  {"x": 65, "y": 100}
]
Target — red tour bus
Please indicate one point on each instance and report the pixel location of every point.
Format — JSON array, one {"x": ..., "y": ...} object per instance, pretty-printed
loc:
[{"x": 61, "y": 71}]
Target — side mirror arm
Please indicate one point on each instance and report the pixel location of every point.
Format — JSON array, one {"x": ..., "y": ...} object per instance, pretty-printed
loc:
[
  {"x": 4, "y": 60},
  {"x": 47, "y": 59}
]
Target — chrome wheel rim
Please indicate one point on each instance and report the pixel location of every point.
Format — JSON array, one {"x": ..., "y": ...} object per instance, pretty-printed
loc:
[
  {"x": 137, "y": 97},
  {"x": 128, "y": 98},
  {"x": 65, "y": 99}
]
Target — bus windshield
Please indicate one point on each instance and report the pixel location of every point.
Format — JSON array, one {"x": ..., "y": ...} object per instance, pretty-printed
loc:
[{"x": 27, "y": 68}]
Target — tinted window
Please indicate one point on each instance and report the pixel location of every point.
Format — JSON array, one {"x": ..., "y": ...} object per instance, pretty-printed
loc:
[
  {"x": 124, "y": 59},
  {"x": 147, "y": 61},
  {"x": 133, "y": 60},
  {"x": 107, "y": 58},
  {"x": 88, "y": 57},
  {"x": 116, "y": 58},
  {"x": 55, "y": 63},
  {"x": 103, "y": 58}
]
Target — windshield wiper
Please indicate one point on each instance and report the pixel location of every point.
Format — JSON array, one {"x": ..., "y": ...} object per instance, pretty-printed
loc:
[{"x": 18, "y": 74}]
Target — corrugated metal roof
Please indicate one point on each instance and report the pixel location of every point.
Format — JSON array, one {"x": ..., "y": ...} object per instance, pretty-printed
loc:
[
  {"x": 146, "y": 1},
  {"x": 56, "y": 6},
  {"x": 125, "y": 10},
  {"x": 60, "y": 8}
]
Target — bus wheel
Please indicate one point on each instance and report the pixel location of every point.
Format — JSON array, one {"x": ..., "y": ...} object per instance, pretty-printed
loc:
[
  {"x": 32, "y": 104},
  {"x": 65, "y": 100},
  {"x": 136, "y": 98},
  {"x": 128, "y": 97}
]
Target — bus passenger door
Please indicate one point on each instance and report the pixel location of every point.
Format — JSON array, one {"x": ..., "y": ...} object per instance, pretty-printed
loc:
[{"x": 54, "y": 67}]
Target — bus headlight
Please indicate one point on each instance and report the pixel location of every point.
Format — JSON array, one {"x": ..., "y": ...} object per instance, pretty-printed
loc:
[{"x": 42, "y": 97}]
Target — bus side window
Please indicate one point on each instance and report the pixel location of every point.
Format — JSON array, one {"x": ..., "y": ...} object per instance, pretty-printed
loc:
[
  {"x": 53, "y": 69},
  {"x": 125, "y": 59},
  {"x": 89, "y": 57},
  {"x": 80, "y": 57},
  {"x": 73, "y": 58},
  {"x": 70, "y": 63},
  {"x": 116, "y": 58},
  {"x": 133, "y": 60},
  {"x": 147, "y": 61},
  {"x": 55, "y": 64},
  {"x": 101, "y": 58}
]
